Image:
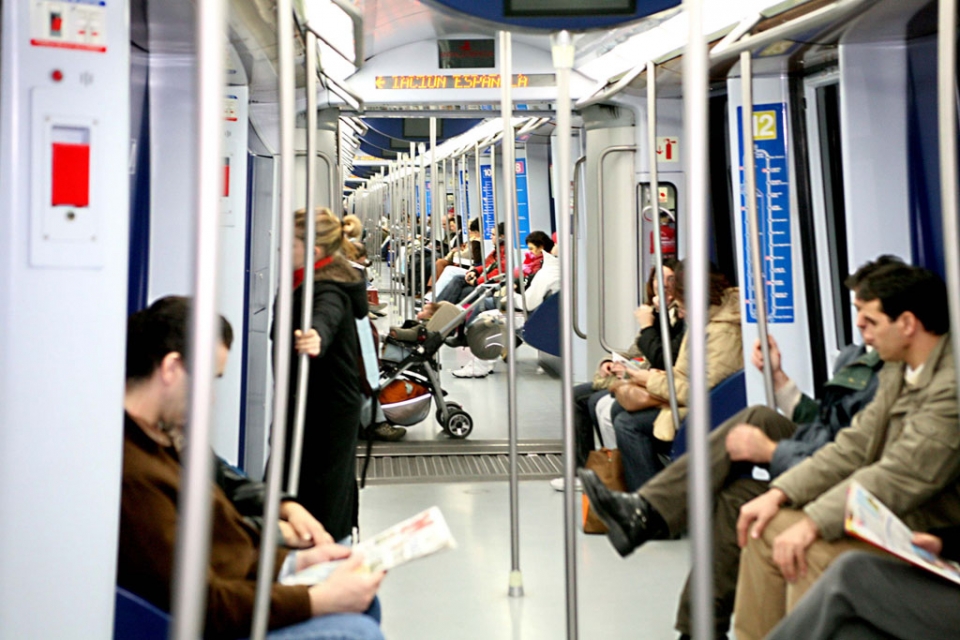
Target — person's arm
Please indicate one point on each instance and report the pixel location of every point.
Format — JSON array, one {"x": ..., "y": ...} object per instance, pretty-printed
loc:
[
  {"x": 329, "y": 307},
  {"x": 912, "y": 469}
]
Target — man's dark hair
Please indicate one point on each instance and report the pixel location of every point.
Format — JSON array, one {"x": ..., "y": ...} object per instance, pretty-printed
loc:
[
  {"x": 540, "y": 239},
  {"x": 853, "y": 281},
  {"x": 901, "y": 288},
  {"x": 160, "y": 329},
  {"x": 717, "y": 284},
  {"x": 500, "y": 230},
  {"x": 474, "y": 225}
]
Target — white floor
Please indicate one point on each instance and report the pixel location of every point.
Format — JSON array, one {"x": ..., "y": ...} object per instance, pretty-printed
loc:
[{"x": 462, "y": 593}]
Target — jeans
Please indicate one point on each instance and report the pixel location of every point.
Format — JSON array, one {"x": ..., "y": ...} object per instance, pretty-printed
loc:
[
  {"x": 584, "y": 417},
  {"x": 638, "y": 447},
  {"x": 335, "y": 626}
]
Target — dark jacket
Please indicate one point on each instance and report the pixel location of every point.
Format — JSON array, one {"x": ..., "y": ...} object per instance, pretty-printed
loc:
[
  {"x": 852, "y": 387},
  {"x": 650, "y": 342},
  {"x": 148, "y": 523},
  {"x": 334, "y": 398}
]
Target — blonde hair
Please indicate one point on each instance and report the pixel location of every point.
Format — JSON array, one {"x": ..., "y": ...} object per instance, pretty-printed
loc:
[
  {"x": 352, "y": 227},
  {"x": 330, "y": 235}
]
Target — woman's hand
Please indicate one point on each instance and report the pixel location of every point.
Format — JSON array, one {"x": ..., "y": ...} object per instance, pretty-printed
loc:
[
  {"x": 638, "y": 376},
  {"x": 644, "y": 316},
  {"x": 307, "y": 343}
]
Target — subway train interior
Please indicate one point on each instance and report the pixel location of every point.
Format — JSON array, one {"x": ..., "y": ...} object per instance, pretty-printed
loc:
[{"x": 157, "y": 148}]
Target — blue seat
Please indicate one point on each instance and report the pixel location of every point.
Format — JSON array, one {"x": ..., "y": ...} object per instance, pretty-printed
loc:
[
  {"x": 137, "y": 619},
  {"x": 542, "y": 329},
  {"x": 727, "y": 398}
]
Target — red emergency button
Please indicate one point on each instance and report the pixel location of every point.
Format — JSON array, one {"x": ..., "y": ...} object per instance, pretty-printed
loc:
[
  {"x": 71, "y": 175},
  {"x": 56, "y": 75}
]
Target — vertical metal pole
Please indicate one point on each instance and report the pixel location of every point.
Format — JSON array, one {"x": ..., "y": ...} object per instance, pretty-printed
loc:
[
  {"x": 695, "y": 79},
  {"x": 392, "y": 225},
  {"x": 601, "y": 244},
  {"x": 563, "y": 53},
  {"x": 658, "y": 243},
  {"x": 476, "y": 171},
  {"x": 435, "y": 195},
  {"x": 509, "y": 199},
  {"x": 283, "y": 338},
  {"x": 422, "y": 162},
  {"x": 496, "y": 209},
  {"x": 574, "y": 241},
  {"x": 192, "y": 553},
  {"x": 753, "y": 222},
  {"x": 414, "y": 212},
  {"x": 947, "y": 114},
  {"x": 306, "y": 319}
]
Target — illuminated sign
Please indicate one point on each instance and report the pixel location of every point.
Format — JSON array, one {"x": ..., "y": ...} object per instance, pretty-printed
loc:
[{"x": 465, "y": 81}]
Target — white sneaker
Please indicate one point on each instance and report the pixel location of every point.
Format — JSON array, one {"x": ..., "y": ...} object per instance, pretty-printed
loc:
[
  {"x": 474, "y": 369},
  {"x": 557, "y": 484}
]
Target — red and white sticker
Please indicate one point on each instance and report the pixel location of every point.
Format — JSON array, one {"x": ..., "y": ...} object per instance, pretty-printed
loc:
[{"x": 69, "y": 24}]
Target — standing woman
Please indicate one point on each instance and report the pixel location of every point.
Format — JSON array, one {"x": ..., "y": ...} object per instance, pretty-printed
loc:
[{"x": 328, "y": 487}]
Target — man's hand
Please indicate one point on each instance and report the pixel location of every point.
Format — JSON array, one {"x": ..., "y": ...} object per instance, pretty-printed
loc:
[
  {"x": 307, "y": 343},
  {"x": 349, "y": 589},
  {"x": 644, "y": 316},
  {"x": 779, "y": 377},
  {"x": 758, "y": 512},
  {"x": 748, "y": 443},
  {"x": 321, "y": 553},
  {"x": 305, "y": 527},
  {"x": 470, "y": 277},
  {"x": 790, "y": 548}
]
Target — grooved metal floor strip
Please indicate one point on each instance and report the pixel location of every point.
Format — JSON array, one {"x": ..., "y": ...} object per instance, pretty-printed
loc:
[{"x": 463, "y": 467}]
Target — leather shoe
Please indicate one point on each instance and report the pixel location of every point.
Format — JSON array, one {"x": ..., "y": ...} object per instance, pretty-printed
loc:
[{"x": 630, "y": 519}]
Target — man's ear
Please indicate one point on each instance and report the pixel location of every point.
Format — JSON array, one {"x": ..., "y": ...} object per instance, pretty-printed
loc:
[
  {"x": 171, "y": 366},
  {"x": 909, "y": 324}
]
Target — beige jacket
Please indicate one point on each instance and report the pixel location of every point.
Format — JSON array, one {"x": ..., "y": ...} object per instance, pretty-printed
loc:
[
  {"x": 724, "y": 358},
  {"x": 904, "y": 448}
]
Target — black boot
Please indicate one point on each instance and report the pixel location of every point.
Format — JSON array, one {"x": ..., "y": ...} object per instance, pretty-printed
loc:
[{"x": 630, "y": 519}]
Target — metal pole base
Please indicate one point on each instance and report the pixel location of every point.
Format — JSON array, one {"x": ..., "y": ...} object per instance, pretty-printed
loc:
[{"x": 516, "y": 585}]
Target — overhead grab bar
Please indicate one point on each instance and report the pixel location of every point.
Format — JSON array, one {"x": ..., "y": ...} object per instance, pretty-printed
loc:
[
  {"x": 947, "y": 115},
  {"x": 654, "y": 191},
  {"x": 753, "y": 222},
  {"x": 601, "y": 253},
  {"x": 192, "y": 552},
  {"x": 574, "y": 240},
  {"x": 284, "y": 320}
]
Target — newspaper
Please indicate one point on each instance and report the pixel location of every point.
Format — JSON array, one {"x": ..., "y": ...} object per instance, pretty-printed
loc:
[
  {"x": 422, "y": 535},
  {"x": 870, "y": 520},
  {"x": 619, "y": 359}
]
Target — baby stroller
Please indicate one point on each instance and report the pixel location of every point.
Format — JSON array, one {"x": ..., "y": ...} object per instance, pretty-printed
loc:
[{"x": 409, "y": 365}]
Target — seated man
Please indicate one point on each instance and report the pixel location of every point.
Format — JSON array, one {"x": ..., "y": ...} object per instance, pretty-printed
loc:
[
  {"x": 756, "y": 435},
  {"x": 864, "y": 595},
  {"x": 902, "y": 448},
  {"x": 460, "y": 286},
  {"x": 155, "y": 404}
]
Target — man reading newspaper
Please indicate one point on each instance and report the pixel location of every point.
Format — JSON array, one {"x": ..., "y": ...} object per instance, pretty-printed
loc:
[
  {"x": 902, "y": 447},
  {"x": 863, "y": 595}
]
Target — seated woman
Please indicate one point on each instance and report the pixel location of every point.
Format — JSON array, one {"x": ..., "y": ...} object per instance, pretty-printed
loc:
[
  {"x": 645, "y": 428},
  {"x": 594, "y": 407},
  {"x": 460, "y": 258},
  {"x": 538, "y": 243},
  {"x": 461, "y": 286}
]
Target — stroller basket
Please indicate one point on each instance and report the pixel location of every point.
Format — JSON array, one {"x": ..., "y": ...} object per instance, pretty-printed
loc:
[{"x": 407, "y": 413}]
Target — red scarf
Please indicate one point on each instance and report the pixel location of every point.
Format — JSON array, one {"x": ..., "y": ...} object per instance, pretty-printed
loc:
[{"x": 299, "y": 273}]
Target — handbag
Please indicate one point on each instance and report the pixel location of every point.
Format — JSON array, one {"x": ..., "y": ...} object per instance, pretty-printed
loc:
[
  {"x": 608, "y": 465},
  {"x": 633, "y": 397}
]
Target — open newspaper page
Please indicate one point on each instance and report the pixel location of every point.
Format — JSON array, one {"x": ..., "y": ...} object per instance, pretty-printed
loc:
[
  {"x": 870, "y": 520},
  {"x": 619, "y": 359},
  {"x": 419, "y": 536}
]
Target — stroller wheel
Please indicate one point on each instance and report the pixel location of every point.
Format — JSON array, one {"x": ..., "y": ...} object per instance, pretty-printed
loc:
[
  {"x": 459, "y": 425},
  {"x": 451, "y": 407}
]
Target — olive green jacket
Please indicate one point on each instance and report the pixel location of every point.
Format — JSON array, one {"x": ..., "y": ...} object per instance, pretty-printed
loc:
[{"x": 904, "y": 448}]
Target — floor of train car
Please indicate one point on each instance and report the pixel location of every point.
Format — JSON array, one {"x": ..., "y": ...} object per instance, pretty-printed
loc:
[{"x": 462, "y": 593}]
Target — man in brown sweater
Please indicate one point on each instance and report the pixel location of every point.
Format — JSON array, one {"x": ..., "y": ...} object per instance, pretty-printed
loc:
[{"x": 155, "y": 404}]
